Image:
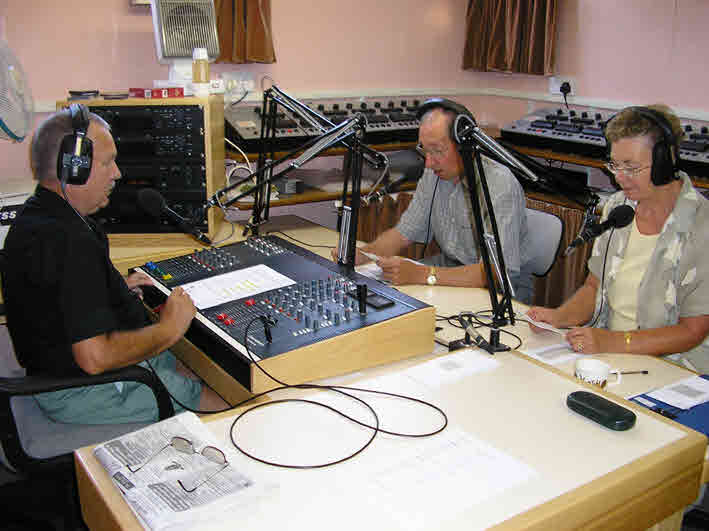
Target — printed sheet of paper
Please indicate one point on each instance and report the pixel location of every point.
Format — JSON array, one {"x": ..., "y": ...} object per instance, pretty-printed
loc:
[
  {"x": 235, "y": 285},
  {"x": 545, "y": 326},
  {"x": 684, "y": 394}
]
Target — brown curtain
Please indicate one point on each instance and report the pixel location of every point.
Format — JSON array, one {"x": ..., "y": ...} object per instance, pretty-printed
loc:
[
  {"x": 511, "y": 36},
  {"x": 244, "y": 29}
]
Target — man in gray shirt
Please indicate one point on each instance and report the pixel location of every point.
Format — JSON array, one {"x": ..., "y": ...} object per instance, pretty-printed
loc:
[{"x": 441, "y": 210}]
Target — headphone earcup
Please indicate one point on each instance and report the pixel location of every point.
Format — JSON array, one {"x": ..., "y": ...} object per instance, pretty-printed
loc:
[
  {"x": 662, "y": 165},
  {"x": 66, "y": 161}
]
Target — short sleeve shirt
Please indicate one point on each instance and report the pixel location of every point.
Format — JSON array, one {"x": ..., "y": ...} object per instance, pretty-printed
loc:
[
  {"x": 445, "y": 205},
  {"x": 676, "y": 282},
  {"x": 60, "y": 286}
]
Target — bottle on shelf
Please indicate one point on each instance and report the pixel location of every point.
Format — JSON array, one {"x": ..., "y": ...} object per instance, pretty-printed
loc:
[{"x": 200, "y": 72}]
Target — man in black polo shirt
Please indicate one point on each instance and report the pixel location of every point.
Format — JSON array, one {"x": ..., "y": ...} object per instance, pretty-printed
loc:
[{"x": 69, "y": 310}]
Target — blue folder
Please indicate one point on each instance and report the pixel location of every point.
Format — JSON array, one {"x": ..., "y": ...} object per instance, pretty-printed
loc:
[{"x": 696, "y": 418}]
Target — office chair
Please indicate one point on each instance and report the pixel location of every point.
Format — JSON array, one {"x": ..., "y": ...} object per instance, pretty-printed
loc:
[
  {"x": 38, "y": 451},
  {"x": 545, "y": 232}
]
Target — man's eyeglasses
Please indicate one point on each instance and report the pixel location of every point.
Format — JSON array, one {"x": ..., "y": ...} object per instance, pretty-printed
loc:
[
  {"x": 615, "y": 169},
  {"x": 433, "y": 153},
  {"x": 213, "y": 454}
]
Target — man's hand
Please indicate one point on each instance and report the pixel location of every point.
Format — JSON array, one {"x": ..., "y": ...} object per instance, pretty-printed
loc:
[
  {"x": 178, "y": 311},
  {"x": 398, "y": 270},
  {"x": 136, "y": 280}
]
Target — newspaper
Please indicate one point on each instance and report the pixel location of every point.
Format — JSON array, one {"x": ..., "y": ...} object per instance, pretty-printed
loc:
[{"x": 153, "y": 491}]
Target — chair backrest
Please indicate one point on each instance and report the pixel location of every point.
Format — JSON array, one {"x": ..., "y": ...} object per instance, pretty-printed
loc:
[{"x": 545, "y": 231}]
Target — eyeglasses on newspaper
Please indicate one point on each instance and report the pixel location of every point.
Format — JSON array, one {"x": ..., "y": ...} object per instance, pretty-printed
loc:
[{"x": 211, "y": 453}]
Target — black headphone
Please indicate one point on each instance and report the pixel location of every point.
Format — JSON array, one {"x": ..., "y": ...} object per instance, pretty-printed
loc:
[
  {"x": 664, "y": 168},
  {"x": 447, "y": 105},
  {"x": 76, "y": 150}
]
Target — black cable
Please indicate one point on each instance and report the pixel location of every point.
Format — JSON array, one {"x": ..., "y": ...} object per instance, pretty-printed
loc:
[
  {"x": 480, "y": 324},
  {"x": 376, "y": 429},
  {"x": 430, "y": 211},
  {"x": 299, "y": 241},
  {"x": 603, "y": 280},
  {"x": 334, "y": 388}
]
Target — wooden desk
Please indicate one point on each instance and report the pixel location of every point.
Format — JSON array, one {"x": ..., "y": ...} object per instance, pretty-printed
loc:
[{"x": 586, "y": 476}]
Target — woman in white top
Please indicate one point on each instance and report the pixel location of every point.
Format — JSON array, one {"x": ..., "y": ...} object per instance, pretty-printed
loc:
[{"x": 647, "y": 291}]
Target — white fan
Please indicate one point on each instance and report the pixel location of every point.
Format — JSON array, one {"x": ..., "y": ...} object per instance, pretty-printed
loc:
[
  {"x": 180, "y": 26},
  {"x": 16, "y": 106}
]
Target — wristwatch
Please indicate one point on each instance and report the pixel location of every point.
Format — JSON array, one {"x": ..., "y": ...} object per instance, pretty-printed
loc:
[{"x": 432, "y": 279}]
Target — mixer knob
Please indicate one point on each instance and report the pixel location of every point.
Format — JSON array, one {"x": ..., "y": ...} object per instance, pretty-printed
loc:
[
  {"x": 347, "y": 314},
  {"x": 307, "y": 321},
  {"x": 328, "y": 314},
  {"x": 316, "y": 324},
  {"x": 390, "y": 104},
  {"x": 560, "y": 111},
  {"x": 320, "y": 307},
  {"x": 704, "y": 130},
  {"x": 584, "y": 114},
  {"x": 416, "y": 103},
  {"x": 598, "y": 116},
  {"x": 348, "y": 106},
  {"x": 362, "y": 105},
  {"x": 572, "y": 113},
  {"x": 688, "y": 128},
  {"x": 321, "y": 107},
  {"x": 299, "y": 315},
  {"x": 377, "y": 105},
  {"x": 335, "y": 107},
  {"x": 337, "y": 319},
  {"x": 403, "y": 103}
]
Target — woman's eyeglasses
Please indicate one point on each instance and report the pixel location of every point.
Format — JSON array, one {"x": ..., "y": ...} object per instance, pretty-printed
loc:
[
  {"x": 213, "y": 454},
  {"x": 615, "y": 169}
]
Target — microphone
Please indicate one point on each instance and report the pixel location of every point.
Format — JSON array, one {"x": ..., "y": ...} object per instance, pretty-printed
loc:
[
  {"x": 620, "y": 217},
  {"x": 152, "y": 202}
]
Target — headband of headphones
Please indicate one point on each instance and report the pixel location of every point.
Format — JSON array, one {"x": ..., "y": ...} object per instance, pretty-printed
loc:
[{"x": 446, "y": 105}]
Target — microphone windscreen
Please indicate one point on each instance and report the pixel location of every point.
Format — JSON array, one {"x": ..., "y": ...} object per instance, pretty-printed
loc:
[
  {"x": 621, "y": 216},
  {"x": 151, "y": 201}
]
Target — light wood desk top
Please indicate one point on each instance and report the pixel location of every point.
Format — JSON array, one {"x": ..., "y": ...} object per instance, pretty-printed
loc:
[{"x": 584, "y": 475}]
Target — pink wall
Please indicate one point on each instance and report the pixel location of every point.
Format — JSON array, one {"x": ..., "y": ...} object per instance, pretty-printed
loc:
[{"x": 634, "y": 51}]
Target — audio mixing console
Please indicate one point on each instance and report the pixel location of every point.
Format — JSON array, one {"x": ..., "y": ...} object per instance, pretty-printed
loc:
[
  {"x": 581, "y": 132},
  {"x": 310, "y": 299},
  {"x": 390, "y": 119}
]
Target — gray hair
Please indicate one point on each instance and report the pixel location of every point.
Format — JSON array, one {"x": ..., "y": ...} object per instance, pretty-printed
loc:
[{"x": 47, "y": 139}]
